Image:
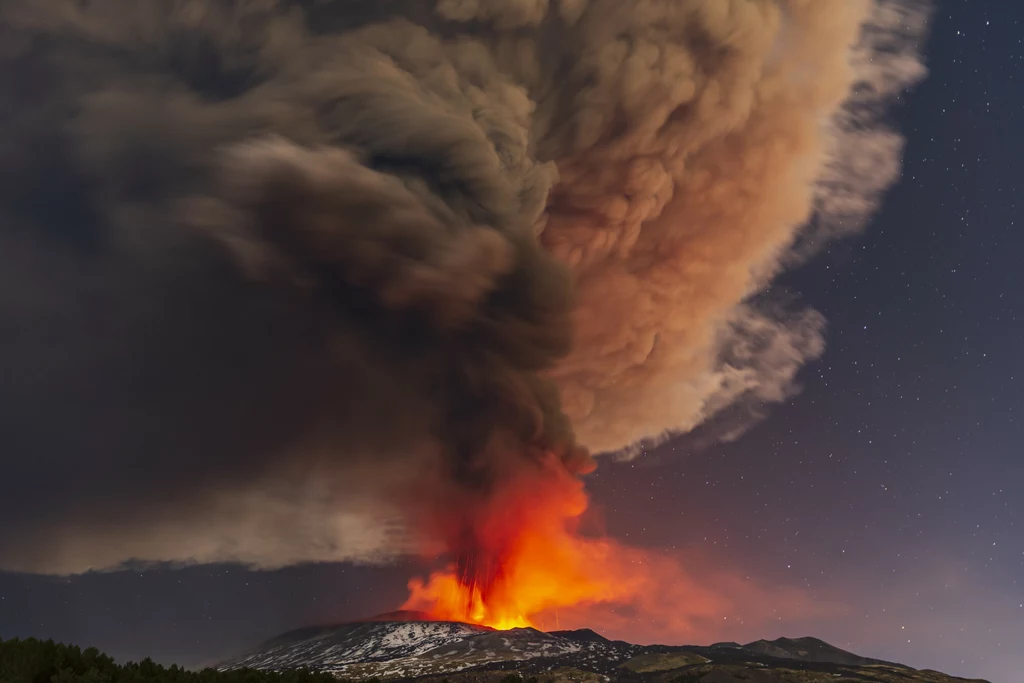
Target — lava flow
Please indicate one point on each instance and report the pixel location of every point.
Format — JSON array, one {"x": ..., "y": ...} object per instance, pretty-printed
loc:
[{"x": 522, "y": 557}]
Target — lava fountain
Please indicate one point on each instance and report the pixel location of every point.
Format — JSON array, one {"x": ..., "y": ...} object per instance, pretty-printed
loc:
[
  {"x": 527, "y": 555},
  {"x": 521, "y": 556}
]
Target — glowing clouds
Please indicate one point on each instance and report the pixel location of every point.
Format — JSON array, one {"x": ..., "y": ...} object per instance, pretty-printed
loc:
[{"x": 391, "y": 260}]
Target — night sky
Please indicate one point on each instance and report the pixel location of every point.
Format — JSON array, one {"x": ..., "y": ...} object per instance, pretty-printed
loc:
[{"x": 890, "y": 485}]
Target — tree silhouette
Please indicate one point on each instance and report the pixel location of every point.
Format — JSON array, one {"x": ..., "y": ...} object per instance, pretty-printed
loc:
[{"x": 44, "y": 661}]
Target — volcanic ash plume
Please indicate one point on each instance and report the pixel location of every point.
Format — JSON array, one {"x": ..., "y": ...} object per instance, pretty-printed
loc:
[{"x": 292, "y": 281}]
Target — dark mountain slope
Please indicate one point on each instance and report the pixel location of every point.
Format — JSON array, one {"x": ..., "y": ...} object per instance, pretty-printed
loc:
[
  {"x": 433, "y": 651},
  {"x": 808, "y": 650}
]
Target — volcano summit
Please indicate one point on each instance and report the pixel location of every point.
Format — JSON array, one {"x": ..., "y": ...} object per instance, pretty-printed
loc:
[{"x": 400, "y": 646}]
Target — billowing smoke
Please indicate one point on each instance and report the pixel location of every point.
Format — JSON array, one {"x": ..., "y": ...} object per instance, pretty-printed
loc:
[{"x": 283, "y": 280}]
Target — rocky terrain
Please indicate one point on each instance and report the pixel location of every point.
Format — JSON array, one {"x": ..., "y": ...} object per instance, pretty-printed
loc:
[{"x": 404, "y": 647}]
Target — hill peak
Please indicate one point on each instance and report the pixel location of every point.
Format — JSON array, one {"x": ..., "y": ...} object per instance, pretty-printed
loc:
[
  {"x": 585, "y": 635},
  {"x": 808, "y": 649}
]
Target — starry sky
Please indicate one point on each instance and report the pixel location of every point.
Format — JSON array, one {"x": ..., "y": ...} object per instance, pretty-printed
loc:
[{"x": 890, "y": 485}]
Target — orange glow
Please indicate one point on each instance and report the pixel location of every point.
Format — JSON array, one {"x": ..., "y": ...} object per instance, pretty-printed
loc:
[
  {"x": 521, "y": 560},
  {"x": 520, "y": 557}
]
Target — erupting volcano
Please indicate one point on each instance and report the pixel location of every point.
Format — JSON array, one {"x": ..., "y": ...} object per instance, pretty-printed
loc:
[
  {"x": 413, "y": 261},
  {"x": 521, "y": 556}
]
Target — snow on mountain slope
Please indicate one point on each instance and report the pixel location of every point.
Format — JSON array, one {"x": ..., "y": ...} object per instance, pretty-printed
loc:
[
  {"x": 336, "y": 648},
  {"x": 408, "y": 649},
  {"x": 405, "y": 649}
]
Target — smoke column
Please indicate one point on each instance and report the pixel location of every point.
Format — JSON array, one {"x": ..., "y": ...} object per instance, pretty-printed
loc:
[{"x": 314, "y": 281}]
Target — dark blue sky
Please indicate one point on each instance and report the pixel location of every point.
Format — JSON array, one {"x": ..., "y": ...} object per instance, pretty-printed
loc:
[
  {"x": 891, "y": 485},
  {"x": 894, "y": 480}
]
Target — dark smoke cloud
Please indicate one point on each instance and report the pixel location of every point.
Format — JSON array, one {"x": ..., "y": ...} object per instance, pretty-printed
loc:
[{"x": 277, "y": 275}]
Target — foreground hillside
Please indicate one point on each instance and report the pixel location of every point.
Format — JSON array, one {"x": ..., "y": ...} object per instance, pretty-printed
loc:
[
  {"x": 436, "y": 652},
  {"x": 39, "y": 661}
]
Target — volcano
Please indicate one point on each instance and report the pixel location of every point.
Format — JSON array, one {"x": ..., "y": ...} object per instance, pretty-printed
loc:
[{"x": 400, "y": 646}]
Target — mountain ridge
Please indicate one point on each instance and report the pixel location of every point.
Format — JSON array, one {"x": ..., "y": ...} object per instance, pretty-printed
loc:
[
  {"x": 809, "y": 649},
  {"x": 401, "y": 647}
]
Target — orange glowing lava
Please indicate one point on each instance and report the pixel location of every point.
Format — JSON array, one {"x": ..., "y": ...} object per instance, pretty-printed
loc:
[{"x": 520, "y": 559}]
